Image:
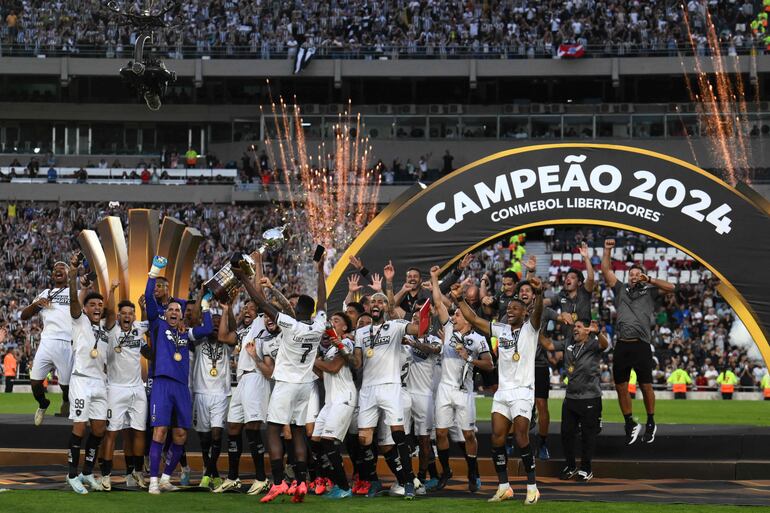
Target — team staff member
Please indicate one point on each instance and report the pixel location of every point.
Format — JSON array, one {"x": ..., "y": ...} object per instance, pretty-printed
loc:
[
  {"x": 635, "y": 303},
  {"x": 679, "y": 379},
  {"x": 582, "y": 406},
  {"x": 515, "y": 396}
]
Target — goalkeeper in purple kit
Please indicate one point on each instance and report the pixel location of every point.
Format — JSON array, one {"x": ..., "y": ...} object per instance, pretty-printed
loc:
[{"x": 170, "y": 394}]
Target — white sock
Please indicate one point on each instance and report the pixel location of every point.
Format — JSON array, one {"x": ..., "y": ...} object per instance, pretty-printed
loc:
[
  {"x": 503, "y": 486},
  {"x": 165, "y": 477},
  {"x": 153, "y": 481},
  {"x": 531, "y": 487}
]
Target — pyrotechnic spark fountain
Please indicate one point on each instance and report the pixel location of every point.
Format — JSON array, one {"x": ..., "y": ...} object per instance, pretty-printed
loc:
[
  {"x": 329, "y": 195},
  {"x": 721, "y": 96}
]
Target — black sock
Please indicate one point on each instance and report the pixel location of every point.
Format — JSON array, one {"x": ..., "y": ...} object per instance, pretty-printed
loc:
[
  {"x": 337, "y": 468},
  {"x": 421, "y": 475},
  {"x": 65, "y": 393},
  {"x": 473, "y": 466},
  {"x": 183, "y": 458},
  {"x": 106, "y": 467},
  {"x": 404, "y": 455},
  {"x": 629, "y": 418},
  {"x": 234, "y": 450},
  {"x": 443, "y": 458},
  {"x": 432, "y": 470},
  {"x": 300, "y": 471},
  {"x": 139, "y": 463},
  {"x": 543, "y": 439},
  {"x": 354, "y": 453},
  {"x": 257, "y": 450},
  {"x": 129, "y": 464},
  {"x": 92, "y": 448},
  {"x": 216, "y": 450},
  {"x": 205, "y": 440},
  {"x": 651, "y": 419},
  {"x": 74, "y": 455},
  {"x": 369, "y": 464},
  {"x": 461, "y": 445},
  {"x": 38, "y": 392},
  {"x": 277, "y": 468},
  {"x": 316, "y": 463},
  {"x": 500, "y": 459},
  {"x": 391, "y": 460},
  {"x": 528, "y": 460}
]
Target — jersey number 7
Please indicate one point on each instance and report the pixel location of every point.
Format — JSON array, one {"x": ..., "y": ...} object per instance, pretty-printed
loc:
[{"x": 307, "y": 348}]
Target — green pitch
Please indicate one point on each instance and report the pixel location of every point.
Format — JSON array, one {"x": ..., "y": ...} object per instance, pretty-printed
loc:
[
  {"x": 48, "y": 501},
  {"x": 751, "y": 413}
]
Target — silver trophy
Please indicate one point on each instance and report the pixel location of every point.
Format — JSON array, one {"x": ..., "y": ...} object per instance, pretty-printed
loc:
[{"x": 273, "y": 239}]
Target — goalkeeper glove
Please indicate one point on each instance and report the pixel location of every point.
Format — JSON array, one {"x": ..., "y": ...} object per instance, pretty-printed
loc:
[{"x": 158, "y": 264}]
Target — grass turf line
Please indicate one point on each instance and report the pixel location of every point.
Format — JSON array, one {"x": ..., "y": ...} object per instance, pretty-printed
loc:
[
  {"x": 750, "y": 413},
  {"x": 47, "y": 501}
]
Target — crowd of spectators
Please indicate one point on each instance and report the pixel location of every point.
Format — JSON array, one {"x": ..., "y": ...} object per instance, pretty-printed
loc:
[
  {"x": 524, "y": 28},
  {"x": 691, "y": 329}
]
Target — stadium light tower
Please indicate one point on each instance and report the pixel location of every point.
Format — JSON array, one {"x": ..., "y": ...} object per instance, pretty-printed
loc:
[{"x": 146, "y": 73}]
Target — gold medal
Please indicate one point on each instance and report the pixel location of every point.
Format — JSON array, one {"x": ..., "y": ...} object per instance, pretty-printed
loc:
[
  {"x": 574, "y": 316},
  {"x": 94, "y": 353},
  {"x": 369, "y": 352},
  {"x": 178, "y": 356},
  {"x": 213, "y": 372},
  {"x": 458, "y": 347},
  {"x": 571, "y": 369},
  {"x": 516, "y": 357},
  {"x": 118, "y": 349}
]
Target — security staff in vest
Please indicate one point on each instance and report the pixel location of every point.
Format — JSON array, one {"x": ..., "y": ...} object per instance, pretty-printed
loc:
[
  {"x": 679, "y": 379},
  {"x": 582, "y": 406},
  {"x": 727, "y": 381},
  {"x": 635, "y": 304}
]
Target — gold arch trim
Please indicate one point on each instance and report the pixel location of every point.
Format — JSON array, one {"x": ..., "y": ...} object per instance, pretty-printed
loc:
[{"x": 734, "y": 298}]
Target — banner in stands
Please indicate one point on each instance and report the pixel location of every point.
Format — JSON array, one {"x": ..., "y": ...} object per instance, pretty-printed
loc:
[{"x": 726, "y": 229}]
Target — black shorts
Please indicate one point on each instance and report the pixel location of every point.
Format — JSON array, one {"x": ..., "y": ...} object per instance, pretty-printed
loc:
[
  {"x": 632, "y": 355},
  {"x": 542, "y": 382}
]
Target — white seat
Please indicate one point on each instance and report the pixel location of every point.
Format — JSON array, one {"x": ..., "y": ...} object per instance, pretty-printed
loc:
[
  {"x": 638, "y": 257},
  {"x": 660, "y": 250},
  {"x": 684, "y": 277},
  {"x": 599, "y": 252},
  {"x": 621, "y": 275},
  {"x": 576, "y": 257},
  {"x": 617, "y": 254},
  {"x": 695, "y": 277},
  {"x": 652, "y": 274},
  {"x": 663, "y": 276},
  {"x": 671, "y": 252}
]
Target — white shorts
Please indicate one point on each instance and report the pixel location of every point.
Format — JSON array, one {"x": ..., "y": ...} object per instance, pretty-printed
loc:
[
  {"x": 384, "y": 434},
  {"x": 333, "y": 421},
  {"x": 376, "y": 398},
  {"x": 53, "y": 354},
  {"x": 88, "y": 399},
  {"x": 288, "y": 403},
  {"x": 517, "y": 402},
  {"x": 456, "y": 435},
  {"x": 313, "y": 404},
  {"x": 250, "y": 399},
  {"x": 422, "y": 414},
  {"x": 455, "y": 407},
  {"x": 353, "y": 428},
  {"x": 209, "y": 411},
  {"x": 126, "y": 408}
]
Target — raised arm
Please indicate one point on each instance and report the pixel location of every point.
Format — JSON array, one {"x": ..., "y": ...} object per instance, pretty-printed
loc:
[
  {"x": 199, "y": 332},
  {"x": 482, "y": 325},
  {"x": 545, "y": 342},
  {"x": 438, "y": 303},
  {"x": 284, "y": 303},
  {"x": 451, "y": 278},
  {"x": 531, "y": 266},
  {"x": 153, "y": 310},
  {"x": 604, "y": 342},
  {"x": 225, "y": 334},
  {"x": 661, "y": 284},
  {"x": 590, "y": 277},
  {"x": 423, "y": 346},
  {"x": 72, "y": 274},
  {"x": 609, "y": 276},
  {"x": 537, "y": 312},
  {"x": 109, "y": 307},
  {"x": 389, "y": 272},
  {"x": 320, "y": 302},
  {"x": 255, "y": 295}
]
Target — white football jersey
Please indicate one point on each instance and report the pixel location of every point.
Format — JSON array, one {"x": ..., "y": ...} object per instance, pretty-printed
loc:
[
  {"x": 246, "y": 362},
  {"x": 515, "y": 374},
  {"x": 381, "y": 347},
  {"x": 211, "y": 354},
  {"x": 298, "y": 346},
  {"x": 84, "y": 340},
  {"x": 405, "y": 359},
  {"x": 57, "y": 321},
  {"x": 340, "y": 387},
  {"x": 124, "y": 360},
  {"x": 423, "y": 366},
  {"x": 451, "y": 363}
]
